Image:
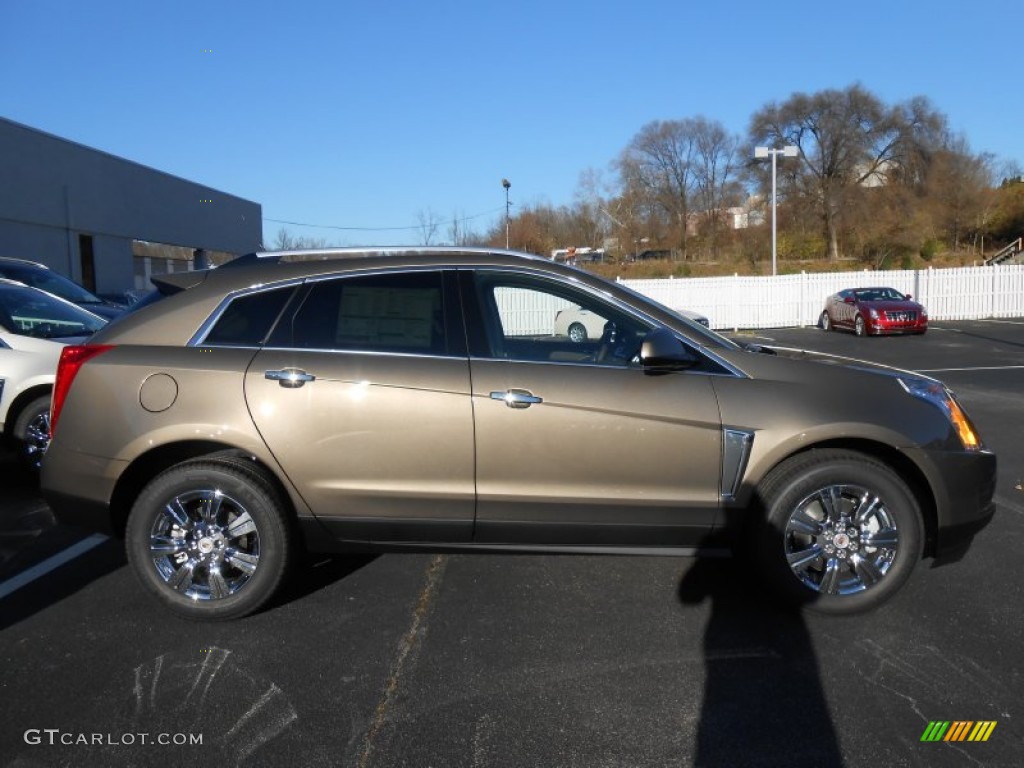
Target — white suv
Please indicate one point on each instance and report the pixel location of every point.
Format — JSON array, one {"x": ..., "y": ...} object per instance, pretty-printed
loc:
[{"x": 34, "y": 326}]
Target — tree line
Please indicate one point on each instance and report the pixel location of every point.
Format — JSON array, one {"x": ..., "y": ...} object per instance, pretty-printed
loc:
[
  {"x": 882, "y": 184},
  {"x": 870, "y": 181}
]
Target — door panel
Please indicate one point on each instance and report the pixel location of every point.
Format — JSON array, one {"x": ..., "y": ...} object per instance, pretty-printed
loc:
[
  {"x": 381, "y": 442},
  {"x": 609, "y": 456}
]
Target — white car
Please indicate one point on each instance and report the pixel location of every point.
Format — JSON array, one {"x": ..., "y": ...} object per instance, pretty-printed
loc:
[
  {"x": 34, "y": 326},
  {"x": 582, "y": 324}
]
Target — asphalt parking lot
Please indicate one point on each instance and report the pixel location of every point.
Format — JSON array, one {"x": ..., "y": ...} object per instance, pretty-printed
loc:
[{"x": 478, "y": 660}]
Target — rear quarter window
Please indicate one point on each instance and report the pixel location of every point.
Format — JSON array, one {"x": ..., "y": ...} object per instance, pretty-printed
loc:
[{"x": 247, "y": 320}]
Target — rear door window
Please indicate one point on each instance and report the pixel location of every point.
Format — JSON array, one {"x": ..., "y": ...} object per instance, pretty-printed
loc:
[{"x": 392, "y": 312}]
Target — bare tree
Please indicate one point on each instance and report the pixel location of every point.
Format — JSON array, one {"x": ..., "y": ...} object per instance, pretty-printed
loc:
[
  {"x": 657, "y": 167},
  {"x": 285, "y": 241},
  {"x": 957, "y": 183},
  {"x": 846, "y": 139},
  {"x": 714, "y": 170},
  {"x": 429, "y": 223}
]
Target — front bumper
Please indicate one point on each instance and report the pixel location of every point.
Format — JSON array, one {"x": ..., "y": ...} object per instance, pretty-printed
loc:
[
  {"x": 887, "y": 327},
  {"x": 963, "y": 484}
]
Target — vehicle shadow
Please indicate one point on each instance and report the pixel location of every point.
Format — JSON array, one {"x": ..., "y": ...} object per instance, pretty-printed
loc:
[
  {"x": 314, "y": 572},
  {"x": 763, "y": 700}
]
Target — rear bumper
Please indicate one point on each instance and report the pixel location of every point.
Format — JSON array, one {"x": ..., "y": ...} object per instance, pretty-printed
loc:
[
  {"x": 81, "y": 513},
  {"x": 79, "y": 487}
]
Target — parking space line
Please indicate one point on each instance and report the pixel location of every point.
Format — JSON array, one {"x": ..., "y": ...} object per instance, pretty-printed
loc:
[{"x": 49, "y": 564}]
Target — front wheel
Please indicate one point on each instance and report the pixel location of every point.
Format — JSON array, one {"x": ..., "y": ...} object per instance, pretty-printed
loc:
[
  {"x": 826, "y": 321},
  {"x": 842, "y": 531},
  {"x": 209, "y": 539},
  {"x": 859, "y": 327}
]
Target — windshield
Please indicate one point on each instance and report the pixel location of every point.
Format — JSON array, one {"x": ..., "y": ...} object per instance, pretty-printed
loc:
[
  {"x": 51, "y": 282},
  {"x": 879, "y": 294},
  {"x": 29, "y": 312}
]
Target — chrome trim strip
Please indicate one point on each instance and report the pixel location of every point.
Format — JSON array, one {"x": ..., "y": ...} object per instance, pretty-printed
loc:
[
  {"x": 736, "y": 445},
  {"x": 366, "y": 352}
]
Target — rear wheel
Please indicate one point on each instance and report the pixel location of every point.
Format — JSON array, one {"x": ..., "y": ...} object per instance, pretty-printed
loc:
[
  {"x": 209, "y": 539},
  {"x": 577, "y": 332},
  {"x": 32, "y": 431},
  {"x": 842, "y": 532}
]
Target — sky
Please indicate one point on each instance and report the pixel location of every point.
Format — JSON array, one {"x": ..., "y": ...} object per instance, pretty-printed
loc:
[{"x": 355, "y": 121}]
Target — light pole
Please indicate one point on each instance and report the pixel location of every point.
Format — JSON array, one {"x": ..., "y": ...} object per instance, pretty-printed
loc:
[
  {"x": 506, "y": 184},
  {"x": 762, "y": 152}
]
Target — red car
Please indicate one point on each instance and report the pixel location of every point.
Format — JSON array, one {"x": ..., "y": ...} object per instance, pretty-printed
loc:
[{"x": 874, "y": 311}]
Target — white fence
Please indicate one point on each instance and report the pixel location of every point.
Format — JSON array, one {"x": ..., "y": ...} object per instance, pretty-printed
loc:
[{"x": 966, "y": 293}]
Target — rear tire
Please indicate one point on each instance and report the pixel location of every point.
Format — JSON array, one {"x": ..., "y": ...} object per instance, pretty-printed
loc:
[
  {"x": 842, "y": 532},
  {"x": 577, "y": 332},
  {"x": 209, "y": 539}
]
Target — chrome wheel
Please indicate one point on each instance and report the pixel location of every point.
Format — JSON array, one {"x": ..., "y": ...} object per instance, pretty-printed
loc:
[
  {"x": 32, "y": 429},
  {"x": 826, "y": 322},
  {"x": 205, "y": 545},
  {"x": 209, "y": 538},
  {"x": 842, "y": 531},
  {"x": 841, "y": 540},
  {"x": 37, "y": 437},
  {"x": 577, "y": 332},
  {"x": 858, "y": 326}
]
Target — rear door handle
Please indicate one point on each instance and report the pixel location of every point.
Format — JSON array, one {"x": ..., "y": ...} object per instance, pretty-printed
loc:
[
  {"x": 290, "y": 378},
  {"x": 517, "y": 398}
]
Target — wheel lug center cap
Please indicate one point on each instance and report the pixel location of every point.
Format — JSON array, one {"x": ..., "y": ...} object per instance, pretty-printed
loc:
[
  {"x": 206, "y": 545},
  {"x": 841, "y": 540}
]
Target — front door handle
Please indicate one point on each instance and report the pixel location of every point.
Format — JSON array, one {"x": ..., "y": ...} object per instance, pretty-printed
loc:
[
  {"x": 517, "y": 398},
  {"x": 290, "y": 378}
]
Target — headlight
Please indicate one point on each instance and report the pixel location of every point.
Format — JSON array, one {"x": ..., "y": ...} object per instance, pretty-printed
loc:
[
  {"x": 937, "y": 394},
  {"x": 873, "y": 313}
]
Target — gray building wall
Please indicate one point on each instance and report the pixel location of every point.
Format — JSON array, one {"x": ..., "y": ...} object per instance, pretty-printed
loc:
[{"x": 52, "y": 191}]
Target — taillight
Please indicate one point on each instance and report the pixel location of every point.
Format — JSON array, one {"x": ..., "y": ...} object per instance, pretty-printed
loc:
[{"x": 72, "y": 358}]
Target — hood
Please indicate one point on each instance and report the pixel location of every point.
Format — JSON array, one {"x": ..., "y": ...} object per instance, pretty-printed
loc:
[{"x": 853, "y": 363}]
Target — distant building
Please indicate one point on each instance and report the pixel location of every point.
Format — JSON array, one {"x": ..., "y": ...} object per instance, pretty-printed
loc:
[{"x": 93, "y": 216}]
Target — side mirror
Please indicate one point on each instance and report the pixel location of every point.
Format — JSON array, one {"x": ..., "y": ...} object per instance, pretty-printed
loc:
[
  {"x": 909, "y": 296},
  {"x": 849, "y": 300},
  {"x": 661, "y": 351}
]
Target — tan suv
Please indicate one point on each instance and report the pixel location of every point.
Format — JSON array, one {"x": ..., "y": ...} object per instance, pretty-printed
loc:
[{"x": 411, "y": 398}]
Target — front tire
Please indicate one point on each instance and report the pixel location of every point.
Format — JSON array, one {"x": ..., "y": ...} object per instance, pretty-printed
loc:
[
  {"x": 842, "y": 531},
  {"x": 859, "y": 327},
  {"x": 826, "y": 321},
  {"x": 209, "y": 539}
]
